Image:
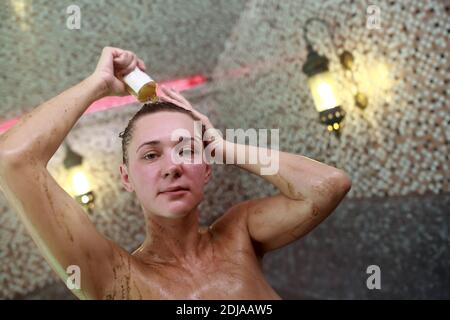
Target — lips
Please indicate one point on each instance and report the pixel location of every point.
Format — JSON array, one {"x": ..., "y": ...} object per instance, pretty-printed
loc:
[{"x": 175, "y": 188}]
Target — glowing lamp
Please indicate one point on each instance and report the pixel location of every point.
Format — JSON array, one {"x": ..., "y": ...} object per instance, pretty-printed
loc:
[
  {"x": 323, "y": 91},
  {"x": 78, "y": 183}
]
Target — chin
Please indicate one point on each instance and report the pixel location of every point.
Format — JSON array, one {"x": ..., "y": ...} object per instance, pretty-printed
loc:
[
  {"x": 177, "y": 210},
  {"x": 176, "y": 215}
]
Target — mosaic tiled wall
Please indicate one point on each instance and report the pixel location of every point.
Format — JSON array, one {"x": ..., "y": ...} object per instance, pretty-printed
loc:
[
  {"x": 400, "y": 143},
  {"x": 40, "y": 56},
  {"x": 397, "y": 147}
]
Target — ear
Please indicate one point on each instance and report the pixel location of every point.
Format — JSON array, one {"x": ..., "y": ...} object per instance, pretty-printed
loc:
[
  {"x": 208, "y": 173},
  {"x": 125, "y": 178}
]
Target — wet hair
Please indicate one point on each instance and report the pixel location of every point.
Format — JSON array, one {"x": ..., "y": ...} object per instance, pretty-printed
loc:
[{"x": 148, "y": 108}]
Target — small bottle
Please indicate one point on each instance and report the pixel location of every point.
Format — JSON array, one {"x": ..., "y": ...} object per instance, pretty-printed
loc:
[{"x": 140, "y": 85}]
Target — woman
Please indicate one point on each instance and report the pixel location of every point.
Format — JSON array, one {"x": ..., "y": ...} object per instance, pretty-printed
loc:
[{"x": 179, "y": 259}]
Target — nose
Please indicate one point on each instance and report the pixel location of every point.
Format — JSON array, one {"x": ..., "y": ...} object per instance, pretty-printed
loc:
[{"x": 171, "y": 168}]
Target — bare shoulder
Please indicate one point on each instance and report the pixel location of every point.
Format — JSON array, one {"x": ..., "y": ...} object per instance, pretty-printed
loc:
[
  {"x": 232, "y": 228},
  {"x": 233, "y": 220}
]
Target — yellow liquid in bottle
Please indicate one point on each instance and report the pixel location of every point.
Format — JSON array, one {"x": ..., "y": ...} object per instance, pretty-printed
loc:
[{"x": 146, "y": 93}]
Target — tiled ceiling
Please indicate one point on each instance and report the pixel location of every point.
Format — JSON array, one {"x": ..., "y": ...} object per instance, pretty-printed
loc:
[{"x": 40, "y": 56}]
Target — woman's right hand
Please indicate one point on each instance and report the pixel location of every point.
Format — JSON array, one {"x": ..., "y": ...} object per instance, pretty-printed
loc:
[{"x": 113, "y": 65}]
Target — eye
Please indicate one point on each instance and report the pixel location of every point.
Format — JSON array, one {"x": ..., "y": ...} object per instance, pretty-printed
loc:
[{"x": 149, "y": 154}]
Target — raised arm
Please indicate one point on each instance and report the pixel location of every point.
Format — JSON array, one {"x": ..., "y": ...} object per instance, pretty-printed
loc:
[
  {"x": 309, "y": 190},
  {"x": 56, "y": 222}
]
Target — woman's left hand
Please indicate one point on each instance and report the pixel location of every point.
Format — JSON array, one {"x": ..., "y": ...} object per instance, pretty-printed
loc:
[{"x": 212, "y": 135}]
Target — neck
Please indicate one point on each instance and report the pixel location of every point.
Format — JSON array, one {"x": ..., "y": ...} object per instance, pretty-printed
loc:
[{"x": 169, "y": 239}]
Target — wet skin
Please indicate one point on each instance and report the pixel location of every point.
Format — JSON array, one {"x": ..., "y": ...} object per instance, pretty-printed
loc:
[
  {"x": 178, "y": 259},
  {"x": 219, "y": 262},
  {"x": 225, "y": 265}
]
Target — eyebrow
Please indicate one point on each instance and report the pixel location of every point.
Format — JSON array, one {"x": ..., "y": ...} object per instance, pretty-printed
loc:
[{"x": 156, "y": 142}]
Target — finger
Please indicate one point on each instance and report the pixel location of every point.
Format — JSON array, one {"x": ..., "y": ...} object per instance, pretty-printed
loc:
[
  {"x": 166, "y": 92},
  {"x": 130, "y": 67},
  {"x": 141, "y": 64},
  {"x": 180, "y": 97},
  {"x": 176, "y": 95},
  {"x": 170, "y": 93},
  {"x": 111, "y": 52},
  {"x": 167, "y": 99},
  {"x": 124, "y": 59},
  {"x": 199, "y": 114},
  {"x": 180, "y": 101},
  {"x": 175, "y": 102},
  {"x": 204, "y": 119},
  {"x": 132, "y": 55},
  {"x": 163, "y": 91},
  {"x": 120, "y": 60}
]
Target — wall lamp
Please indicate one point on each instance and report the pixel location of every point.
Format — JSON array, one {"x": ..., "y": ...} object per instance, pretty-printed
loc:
[
  {"x": 78, "y": 183},
  {"x": 322, "y": 84}
]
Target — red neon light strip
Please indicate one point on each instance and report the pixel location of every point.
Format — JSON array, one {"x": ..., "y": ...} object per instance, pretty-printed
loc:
[{"x": 116, "y": 101}]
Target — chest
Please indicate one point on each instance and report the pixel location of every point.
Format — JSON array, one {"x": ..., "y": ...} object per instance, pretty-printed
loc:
[
  {"x": 227, "y": 276},
  {"x": 222, "y": 275},
  {"x": 224, "y": 268}
]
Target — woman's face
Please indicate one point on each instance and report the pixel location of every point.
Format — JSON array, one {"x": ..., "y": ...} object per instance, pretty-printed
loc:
[{"x": 153, "y": 167}]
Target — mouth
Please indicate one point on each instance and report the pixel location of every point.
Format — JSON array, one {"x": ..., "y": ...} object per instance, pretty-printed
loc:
[{"x": 175, "y": 191}]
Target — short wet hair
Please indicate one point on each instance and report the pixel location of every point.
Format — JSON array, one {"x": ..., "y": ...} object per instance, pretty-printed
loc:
[{"x": 148, "y": 108}]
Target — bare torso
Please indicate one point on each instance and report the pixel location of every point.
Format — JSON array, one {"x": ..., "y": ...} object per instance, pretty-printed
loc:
[{"x": 224, "y": 266}]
